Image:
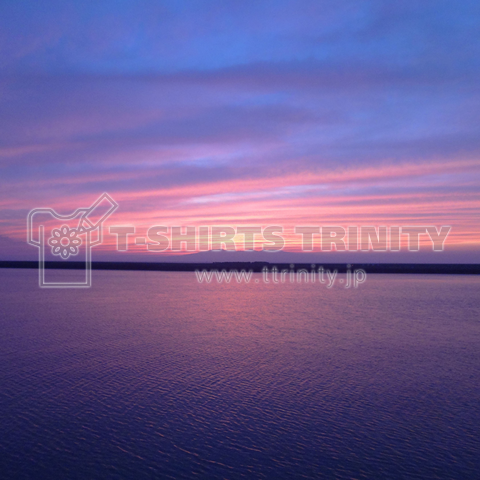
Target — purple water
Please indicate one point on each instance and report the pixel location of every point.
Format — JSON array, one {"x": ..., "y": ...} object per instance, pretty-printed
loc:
[{"x": 152, "y": 375}]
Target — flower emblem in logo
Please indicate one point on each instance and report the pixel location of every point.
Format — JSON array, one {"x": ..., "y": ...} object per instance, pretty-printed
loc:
[{"x": 64, "y": 241}]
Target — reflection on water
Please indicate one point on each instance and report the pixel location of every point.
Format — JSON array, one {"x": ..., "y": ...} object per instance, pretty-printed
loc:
[{"x": 149, "y": 374}]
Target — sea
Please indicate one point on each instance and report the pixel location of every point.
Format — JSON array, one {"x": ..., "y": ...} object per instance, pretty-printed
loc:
[{"x": 152, "y": 375}]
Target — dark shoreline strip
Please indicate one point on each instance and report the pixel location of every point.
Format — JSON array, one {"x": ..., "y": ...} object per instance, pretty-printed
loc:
[{"x": 425, "y": 268}]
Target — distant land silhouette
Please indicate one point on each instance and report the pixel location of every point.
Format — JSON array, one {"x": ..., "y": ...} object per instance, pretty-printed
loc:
[
  {"x": 423, "y": 256},
  {"x": 417, "y": 268}
]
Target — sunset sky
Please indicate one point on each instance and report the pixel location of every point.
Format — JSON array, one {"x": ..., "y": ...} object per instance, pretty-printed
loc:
[{"x": 243, "y": 113}]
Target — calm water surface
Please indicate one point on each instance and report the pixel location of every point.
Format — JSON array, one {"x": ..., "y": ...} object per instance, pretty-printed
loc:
[{"x": 152, "y": 375}]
